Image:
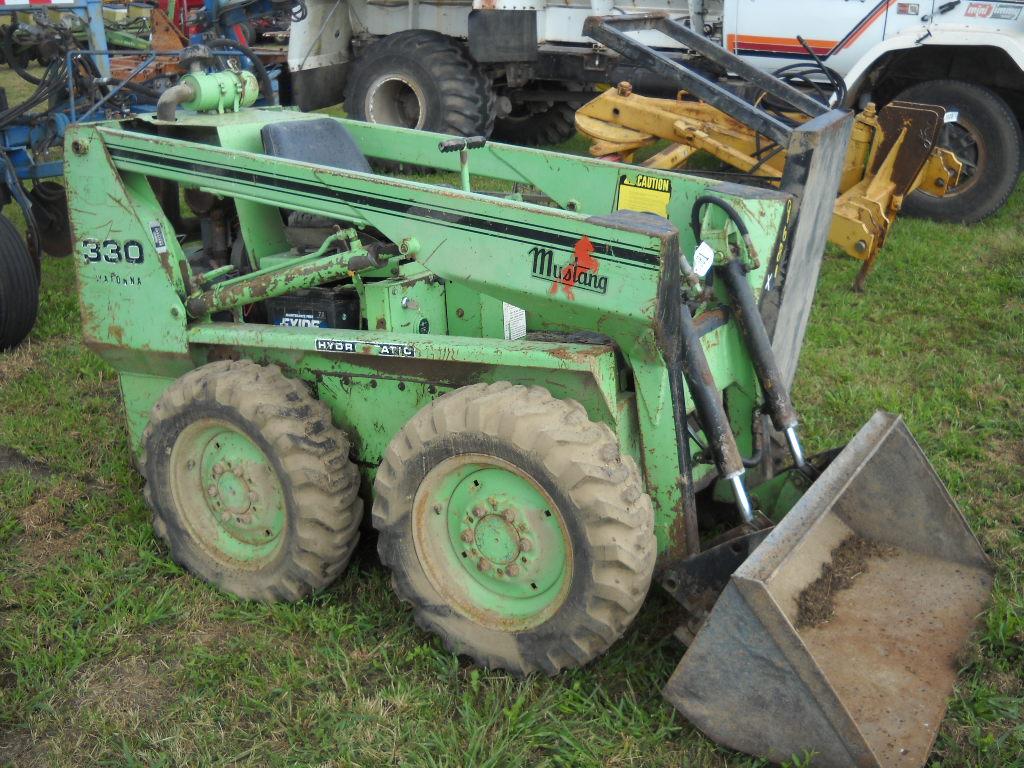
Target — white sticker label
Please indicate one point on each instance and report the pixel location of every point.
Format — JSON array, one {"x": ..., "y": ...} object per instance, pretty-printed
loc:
[
  {"x": 515, "y": 321},
  {"x": 365, "y": 348},
  {"x": 703, "y": 258},
  {"x": 157, "y": 233},
  {"x": 950, "y": 117}
]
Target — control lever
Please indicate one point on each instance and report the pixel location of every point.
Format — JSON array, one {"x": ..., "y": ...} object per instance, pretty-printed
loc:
[{"x": 462, "y": 145}]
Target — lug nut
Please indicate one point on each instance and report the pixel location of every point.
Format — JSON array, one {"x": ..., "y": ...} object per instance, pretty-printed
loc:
[
  {"x": 525, "y": 545},
  {"x": 509, "y": 515},
  {"x": 218, "y": 469},
  {"x": 211, "y": 491},
  {"x": 493, "y": 502},
  {"x": 253, "y": 496},
  {"x": 512, "y": 569},
  {"x": 468, "y": 536},
  {"x": 238, "y": 471},
  {"x": 479, "y": 511},
  {"x": 483, "y": 564}
]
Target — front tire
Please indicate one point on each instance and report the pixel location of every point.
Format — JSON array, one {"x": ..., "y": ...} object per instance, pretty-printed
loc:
[
  {"x": 250, "y": 485},
  {"x": 423, "y": 80},
  {"x": 985, "y": 136},
  {"x": 515, "y": 528}
]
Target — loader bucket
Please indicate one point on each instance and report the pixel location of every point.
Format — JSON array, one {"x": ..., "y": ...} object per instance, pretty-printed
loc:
[{"x": 774, "y": 672}]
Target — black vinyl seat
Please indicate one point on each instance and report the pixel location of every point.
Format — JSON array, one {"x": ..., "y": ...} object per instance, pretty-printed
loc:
[{"x": 322, "y": 141}]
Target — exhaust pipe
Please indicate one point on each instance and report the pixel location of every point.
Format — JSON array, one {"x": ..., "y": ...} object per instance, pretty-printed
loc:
[{"x": 182, "y": 93}]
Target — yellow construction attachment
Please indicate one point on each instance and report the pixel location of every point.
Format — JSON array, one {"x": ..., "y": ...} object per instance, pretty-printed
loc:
[{"x": 892, "y": 152}]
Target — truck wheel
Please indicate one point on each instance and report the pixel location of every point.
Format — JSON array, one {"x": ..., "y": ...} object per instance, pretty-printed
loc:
[
  {"x": 19, "y": 287},
  {"x": 514, "y": 527},
  {"x": 533, "y": 123},
  {"x": 420, "y": 79},
  {"x": 250, "y": 484},
  {"x": 984, "y": 136}
]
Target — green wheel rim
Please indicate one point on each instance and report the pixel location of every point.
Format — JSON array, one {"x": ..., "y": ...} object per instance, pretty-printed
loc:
[
  {"x": 228, "y": 493},
  {"x": 492, "y": 542}
]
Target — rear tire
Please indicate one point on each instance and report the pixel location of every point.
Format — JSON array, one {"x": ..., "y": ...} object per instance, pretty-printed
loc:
[
  {"x": 250, "y": 484},
  {"x": 424, "y": 80},
  {"x": 515, "y": 528},
  {"x": 534, "y": 123},
  {"x": 19, "y": 287},
  {"x": 985, "y": 136}
]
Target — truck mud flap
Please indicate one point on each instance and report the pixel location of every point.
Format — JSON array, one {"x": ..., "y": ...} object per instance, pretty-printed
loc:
[{"x": 840, "y": 634}]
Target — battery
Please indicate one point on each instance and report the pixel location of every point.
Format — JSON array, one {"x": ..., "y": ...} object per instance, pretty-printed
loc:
[{"x": 315, "y": 308}]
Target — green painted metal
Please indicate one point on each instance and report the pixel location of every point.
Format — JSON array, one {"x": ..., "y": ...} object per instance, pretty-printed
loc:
[
  {"x": 226, "y": 91},
  {"x": 306, "y": 271},
  {"x": 432, "y": 317},
  {"x": 492, "y": 517},
  {"x": 492, "y": 541},
  {"x": 228, "y": 492}
]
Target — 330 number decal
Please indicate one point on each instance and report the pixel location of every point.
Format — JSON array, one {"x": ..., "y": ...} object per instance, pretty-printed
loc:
[{"x": 112, "y": 251}]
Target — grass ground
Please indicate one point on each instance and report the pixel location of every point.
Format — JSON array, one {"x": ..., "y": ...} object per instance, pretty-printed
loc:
[{"x": 111, "y": 655}]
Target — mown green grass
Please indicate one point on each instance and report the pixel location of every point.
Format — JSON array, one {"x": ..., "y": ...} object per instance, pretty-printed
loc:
[{"x": 111, "y": 655}]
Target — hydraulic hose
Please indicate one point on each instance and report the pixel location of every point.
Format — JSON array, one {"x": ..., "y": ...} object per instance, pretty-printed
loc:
[
  {"x": 733, "y": 215},
  {"x": 130, "y": 85},
  {"x": 12, "y": 60}
]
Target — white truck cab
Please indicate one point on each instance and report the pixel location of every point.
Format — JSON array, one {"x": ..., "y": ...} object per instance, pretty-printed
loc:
[{"x": 519, "y": 68}]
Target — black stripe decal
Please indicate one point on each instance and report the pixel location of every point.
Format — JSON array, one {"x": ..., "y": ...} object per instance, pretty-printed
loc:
[
  {"x": 860, "y": 24},
  {"x": 455, "y": 219}
]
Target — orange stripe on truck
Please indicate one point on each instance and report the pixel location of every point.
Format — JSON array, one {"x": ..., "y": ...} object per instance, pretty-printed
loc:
[{"x": 777, "y": 44}]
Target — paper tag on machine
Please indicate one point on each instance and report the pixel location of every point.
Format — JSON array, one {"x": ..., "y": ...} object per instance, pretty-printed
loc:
[{"x": 703, "y": 258}]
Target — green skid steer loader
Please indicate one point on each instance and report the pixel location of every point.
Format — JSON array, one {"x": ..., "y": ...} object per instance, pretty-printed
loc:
[{"x": 544, "y": 402}]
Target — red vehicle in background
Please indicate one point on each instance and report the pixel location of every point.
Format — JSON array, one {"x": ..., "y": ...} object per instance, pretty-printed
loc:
[{"x": 189, "y": 17}]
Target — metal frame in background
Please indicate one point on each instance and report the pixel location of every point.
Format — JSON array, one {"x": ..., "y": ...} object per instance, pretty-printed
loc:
[{"x": 816, "y": 151}]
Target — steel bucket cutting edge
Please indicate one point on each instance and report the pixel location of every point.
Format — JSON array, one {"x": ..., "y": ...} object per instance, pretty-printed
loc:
[{"x": 878, "y": 540}]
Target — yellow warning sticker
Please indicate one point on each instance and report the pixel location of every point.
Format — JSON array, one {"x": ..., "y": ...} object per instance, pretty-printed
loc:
[{"x": 647, "y": 194}]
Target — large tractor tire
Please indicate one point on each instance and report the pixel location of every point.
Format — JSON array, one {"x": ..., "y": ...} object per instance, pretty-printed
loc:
[
  {"x": 19, "y": 287},
  {"x": 250, "y": 484},
  {"x": 538, "y": 123},
  {"x": 985, "y": 136},
  {"x": 514, "y": 527},
  {"x": 424, "y": 80}
]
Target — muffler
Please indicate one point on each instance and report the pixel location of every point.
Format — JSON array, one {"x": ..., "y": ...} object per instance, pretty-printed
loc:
[{"x": 840, "y": 634}]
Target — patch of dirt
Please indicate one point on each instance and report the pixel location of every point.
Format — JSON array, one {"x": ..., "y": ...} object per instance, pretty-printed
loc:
[
  {"x": 22, "y": 749},
  {"x": 11, "y": 459},
  {"x": 816, "y": 603},
  {"x": 17, "y": 362},
  {"x": 128, "y": 692},
  {"x": 46, "y": 533}
]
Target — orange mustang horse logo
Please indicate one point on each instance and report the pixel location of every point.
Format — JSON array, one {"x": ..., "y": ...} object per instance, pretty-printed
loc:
[{"x": 583, "y": 261}]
